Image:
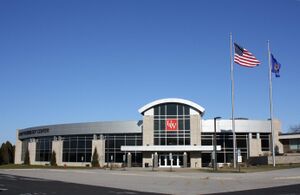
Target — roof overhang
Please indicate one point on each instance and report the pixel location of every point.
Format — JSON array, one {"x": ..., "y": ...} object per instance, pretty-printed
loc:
[
  {"x": 187, "y": 148},
  {"x": 172, "y": 100},
  {"x": 290, "y": 136}
]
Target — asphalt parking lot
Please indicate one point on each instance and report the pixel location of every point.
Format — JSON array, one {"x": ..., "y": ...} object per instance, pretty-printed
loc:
[
  {"x": 13, "y": 185},
  {"x": 10, "y": 184},
  {"x": 99, "y": 181},
  {"x": 282, "y": 190}
]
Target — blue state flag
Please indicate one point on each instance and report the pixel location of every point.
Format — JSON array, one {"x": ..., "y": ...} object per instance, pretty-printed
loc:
[{"x": 275, "y": 66}]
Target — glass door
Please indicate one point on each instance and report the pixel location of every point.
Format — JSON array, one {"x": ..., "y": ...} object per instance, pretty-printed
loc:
[{"x": 165, "y": 161}]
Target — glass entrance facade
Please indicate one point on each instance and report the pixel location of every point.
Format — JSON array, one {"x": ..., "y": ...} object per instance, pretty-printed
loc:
[
  {"x": 167, "y": 160},
  {"x": 172, "y": 124}
]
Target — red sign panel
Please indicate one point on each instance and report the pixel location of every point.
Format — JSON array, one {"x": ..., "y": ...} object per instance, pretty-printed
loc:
[{"x": 171, "y": 124}]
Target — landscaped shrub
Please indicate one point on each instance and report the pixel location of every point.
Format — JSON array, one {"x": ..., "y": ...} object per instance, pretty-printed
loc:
[
  {"x": 27, "y": 158},
  {"x": 95, "y": 161},
  {"x": 53, "y": 159}
]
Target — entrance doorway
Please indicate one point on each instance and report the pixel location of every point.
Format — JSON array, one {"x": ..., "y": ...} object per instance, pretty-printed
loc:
[{"x": 165, "y": 161}]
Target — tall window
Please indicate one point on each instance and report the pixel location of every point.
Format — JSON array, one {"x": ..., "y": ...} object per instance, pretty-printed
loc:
[
  {"x": 77, "y": 148},
  {"x": 24, "y": 148},
  {"x": 295, "y": 144},
  {"x": 225, "y": 140},
  {"x": 171, "y": 124},
  {"x": 113, "y": 143},
  {"x": 43, "y": 149},
  {"x": 265, "y": 141}
]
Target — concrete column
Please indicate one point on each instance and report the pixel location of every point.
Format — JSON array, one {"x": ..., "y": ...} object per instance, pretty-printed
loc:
[
  {"x": 32, "y": 151},
  {"x": 57, "y": 146},
  {"x": 129, "y": 157},
  {"x": 155, "y": 160},
  {"x": 195, "y": 130},
  {"x": 277, "y": 130},
  {"x": 184, "y": 160},
  {"x": 100, "y": 145},
  {"x": 254, "y": 147},
  {"x": 18, "y": 149},
  {"x": 196, "y": 161},
  {"x": 148, "y": 138},
  {"x": 148, "y": 131}
]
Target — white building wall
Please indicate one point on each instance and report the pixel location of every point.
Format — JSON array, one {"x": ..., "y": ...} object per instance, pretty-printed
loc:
[
  {"x": 57, "y": 146},
  {"x": 255, "y": 147},
  {"x": 100, "y": 145},
  {"x": 241, "y": 126},
  {"x": 149, "y": 112},
  {"x": 32, "y": 151},
  {"x": 277, "y": 130},
  {"x": 18, "y": 150}
]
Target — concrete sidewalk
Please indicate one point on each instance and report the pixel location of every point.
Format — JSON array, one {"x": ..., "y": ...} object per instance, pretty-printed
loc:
[{"x": 179, "y": 182}]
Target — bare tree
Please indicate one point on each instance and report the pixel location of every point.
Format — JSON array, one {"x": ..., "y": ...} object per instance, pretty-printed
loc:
[{"x": 294, "y": 129}]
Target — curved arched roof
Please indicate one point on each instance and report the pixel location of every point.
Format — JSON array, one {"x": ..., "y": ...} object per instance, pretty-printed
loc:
[{"x": 172, "y": 100}]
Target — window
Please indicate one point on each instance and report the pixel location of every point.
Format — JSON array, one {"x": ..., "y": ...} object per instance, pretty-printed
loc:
[
  {"x": 265, "y": 141},
  {"x": 172, "y": 110},
  {"x": 295, "y": 144},
  {"x": 225, "y": 140},
  {"x": 113, "y": 143},
  {"x": 77, "y": 148},
  {"x": 24, "y": 148},
  {"x": 171, "y": 124},
  {"x": 43, "y": 149}
]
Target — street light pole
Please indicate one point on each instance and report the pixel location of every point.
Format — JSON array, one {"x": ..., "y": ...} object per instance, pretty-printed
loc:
[{"x": 215, "y": 142}]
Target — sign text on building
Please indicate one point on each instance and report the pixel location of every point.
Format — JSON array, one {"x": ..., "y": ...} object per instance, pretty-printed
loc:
[{"x": 34, "y": 132}]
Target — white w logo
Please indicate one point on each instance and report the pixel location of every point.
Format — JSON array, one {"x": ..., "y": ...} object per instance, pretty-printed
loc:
[{"x": 171, "y": 124}]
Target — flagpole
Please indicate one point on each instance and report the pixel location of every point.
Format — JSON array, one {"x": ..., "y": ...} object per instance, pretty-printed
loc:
[
  {"x": 271, "y": 104},
  {"x": 232, "y": 104}
]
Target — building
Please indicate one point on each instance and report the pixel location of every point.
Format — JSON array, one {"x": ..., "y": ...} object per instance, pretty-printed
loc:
[
  {"x": 291, "y": 142},
  {"x": 172, "y": 132}
]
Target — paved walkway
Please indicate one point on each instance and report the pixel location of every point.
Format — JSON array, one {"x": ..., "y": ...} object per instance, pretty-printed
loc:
[{"x": 180, "y": 182}]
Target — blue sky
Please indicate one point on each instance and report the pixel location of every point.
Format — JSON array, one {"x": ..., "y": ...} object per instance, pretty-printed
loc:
[{"x": 77, "y": 61}]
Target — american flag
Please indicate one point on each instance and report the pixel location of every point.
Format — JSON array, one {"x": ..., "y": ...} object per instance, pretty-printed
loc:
[{"x": 243, "y": 57}]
